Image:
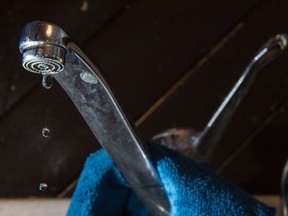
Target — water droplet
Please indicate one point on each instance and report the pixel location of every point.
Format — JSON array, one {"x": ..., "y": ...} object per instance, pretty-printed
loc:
[
  {"x": 47, "y": 81},
  {"x": 45, "y": 132},
  {"x": 43, "y": 186}
]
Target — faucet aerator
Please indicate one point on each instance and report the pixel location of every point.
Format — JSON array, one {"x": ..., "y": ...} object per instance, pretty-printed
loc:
[{"x": 46, "y": 60}]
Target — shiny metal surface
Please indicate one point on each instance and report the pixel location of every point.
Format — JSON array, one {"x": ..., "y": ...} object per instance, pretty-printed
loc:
[
  {"x": 201, "y": 145},
  {"x": 92, "y": 95},
  {"x": 43, "y": 48},
  {"x": 284, "y": 189},
  {"x": 209, "y": 137}
]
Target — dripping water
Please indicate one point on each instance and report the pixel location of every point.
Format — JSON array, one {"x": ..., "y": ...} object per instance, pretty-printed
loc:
[
  {"x": 43, "y": 186},
  {"x": 45, "y": 132},
  {"x": 47, "y": 81}
]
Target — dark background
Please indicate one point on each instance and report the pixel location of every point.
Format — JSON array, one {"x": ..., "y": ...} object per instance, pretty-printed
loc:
[{"x": 144, "y": 48}]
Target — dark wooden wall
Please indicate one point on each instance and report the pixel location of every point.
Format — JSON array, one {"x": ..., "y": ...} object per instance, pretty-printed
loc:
[{"x": 144, "y": 49}]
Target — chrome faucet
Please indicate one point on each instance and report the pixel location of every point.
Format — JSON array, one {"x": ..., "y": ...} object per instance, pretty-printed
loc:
[
  {"x": 47, "y": 50},
  {"x": 200, "y": 145}
]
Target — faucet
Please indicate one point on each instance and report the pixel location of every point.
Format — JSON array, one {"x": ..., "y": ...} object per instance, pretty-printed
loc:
[
  {"x": 48, "y": 50},
  {"x": 200, "y": 145}
]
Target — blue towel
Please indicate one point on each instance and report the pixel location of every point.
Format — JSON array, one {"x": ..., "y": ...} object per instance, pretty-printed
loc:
[{"x": 192, "y": 189}]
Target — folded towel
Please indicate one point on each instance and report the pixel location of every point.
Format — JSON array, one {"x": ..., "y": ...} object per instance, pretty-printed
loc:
[{"x": 191, "y": 188}]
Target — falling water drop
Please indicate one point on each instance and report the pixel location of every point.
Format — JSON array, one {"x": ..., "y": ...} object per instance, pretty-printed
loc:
[
  {"x": 43, "y": 186},
  {"x": 47, "y": 81},
  {"x": 45, "y": 132}
]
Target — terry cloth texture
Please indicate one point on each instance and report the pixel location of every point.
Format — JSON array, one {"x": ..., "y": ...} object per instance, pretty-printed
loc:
[{"x": 191, "y": 188}]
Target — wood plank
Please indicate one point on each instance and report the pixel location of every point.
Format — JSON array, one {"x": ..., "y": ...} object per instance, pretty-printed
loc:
[
  {"x": 265, "y": 154},
  {"x": 150, "y": 46}
]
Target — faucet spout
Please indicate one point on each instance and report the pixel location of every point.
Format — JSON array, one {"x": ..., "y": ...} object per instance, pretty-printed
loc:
[
  {"x": 48, "y": 50},
  {"x": 207, "y": 140}
]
